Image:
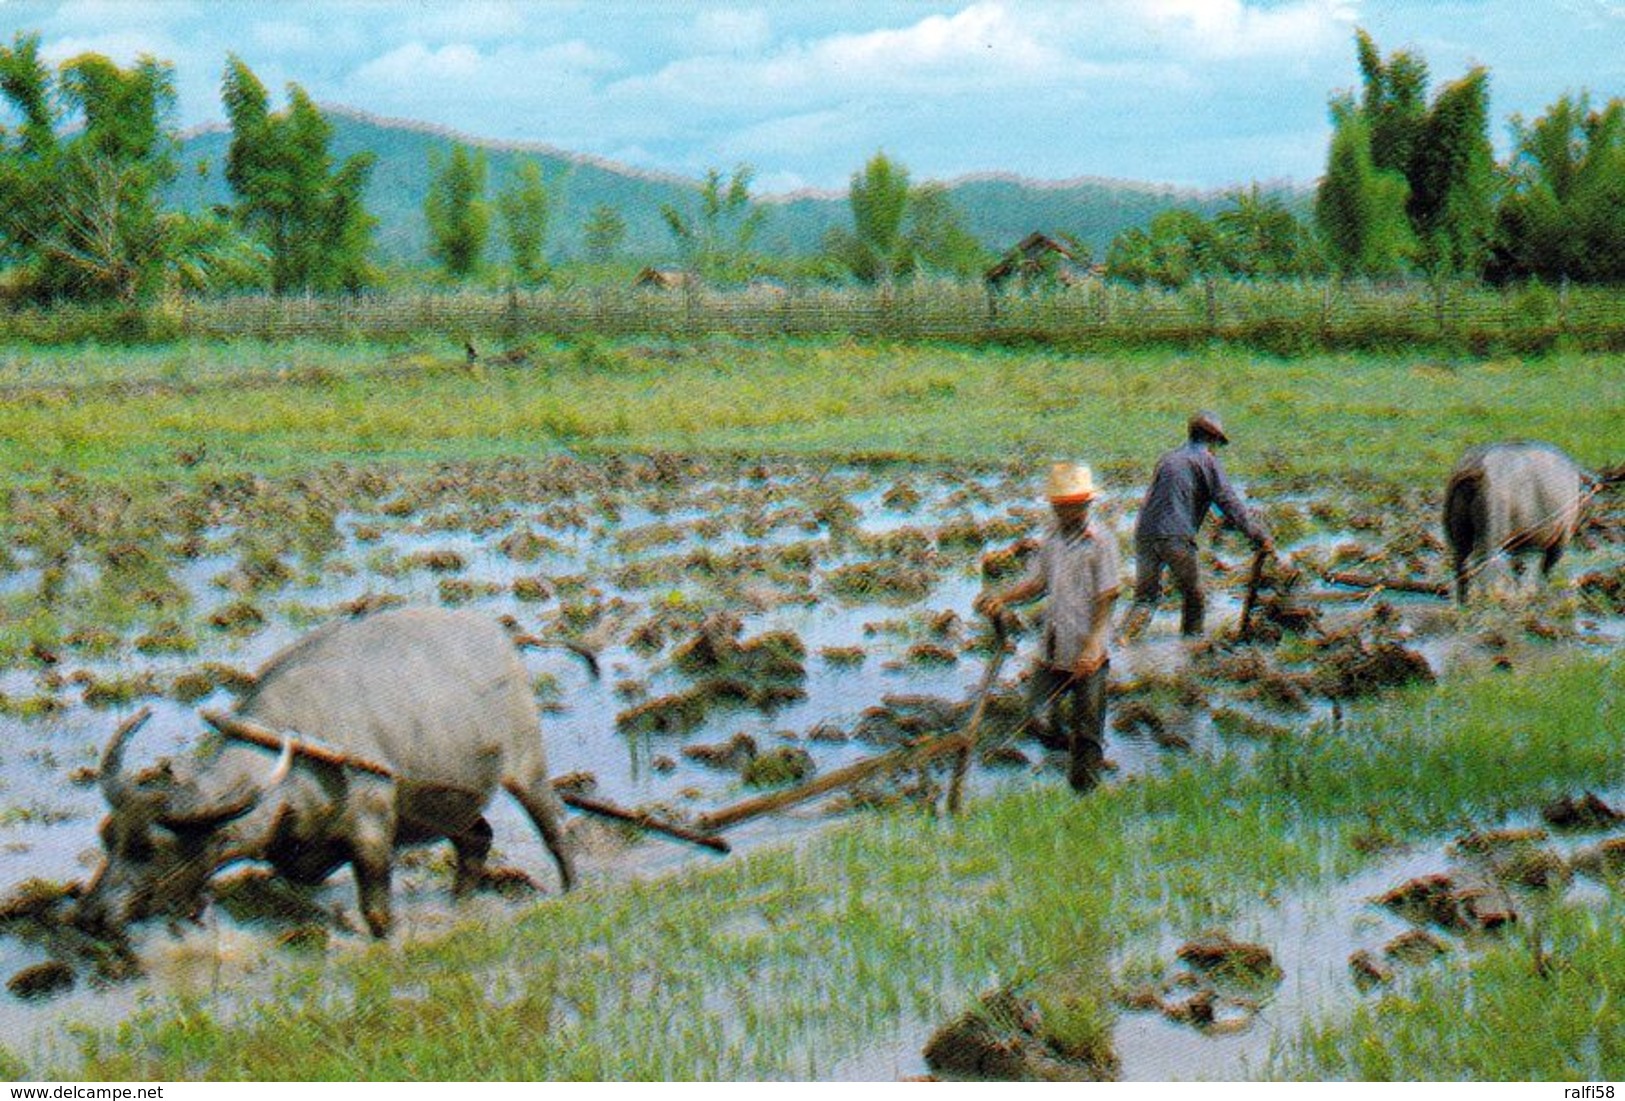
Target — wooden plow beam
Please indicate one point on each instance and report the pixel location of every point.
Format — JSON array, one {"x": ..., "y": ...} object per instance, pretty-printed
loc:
[
  {"x": 1396, "y": 584},
  {"x": 248, "y": 731}
]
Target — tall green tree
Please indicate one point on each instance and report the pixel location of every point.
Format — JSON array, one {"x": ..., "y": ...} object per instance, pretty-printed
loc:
[
  {"x": 79, "y": 209},
  {"x": 1178, "y": 246},
  {"x": 879, "y": 198},
  {"x": 308, "y": 214},
  {"x": 603, "y": 233},
  {"x": 1394, "y": 105},
  {"x": 1260, "y": 237},
  {"x": 1359, "y": 208},
  {"x": 524, "y": 207},
  {"x": 937, "y": 237},
  {"x": 459, "y": 217},
  {"x": 1563, "y": 214},
  {"x": 1452, "y": 179},
  {"x": 715, "y": 240},
  {"x": 1442, "y": 151}
]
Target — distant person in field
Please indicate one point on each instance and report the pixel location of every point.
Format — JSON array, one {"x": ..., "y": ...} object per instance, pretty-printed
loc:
[
  {"x": 1187, "y": 483},
  {"x": 1076, "y": 568}
]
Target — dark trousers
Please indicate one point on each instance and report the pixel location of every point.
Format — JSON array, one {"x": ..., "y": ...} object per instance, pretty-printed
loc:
[
  {"x": 1076, "y": 711},
  {"x": 1177, "y": 555}
]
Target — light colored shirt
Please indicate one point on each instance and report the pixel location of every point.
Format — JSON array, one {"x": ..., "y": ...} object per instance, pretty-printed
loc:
[{"x": 1075, "y": 571}]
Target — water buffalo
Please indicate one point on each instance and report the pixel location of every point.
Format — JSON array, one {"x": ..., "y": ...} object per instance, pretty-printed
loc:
[
  {"x": 1511, "y": 498},
  {"x": 438, "y": 698}
]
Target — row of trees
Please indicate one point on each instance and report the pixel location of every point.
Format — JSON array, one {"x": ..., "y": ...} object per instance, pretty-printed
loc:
[
  {"x": 1411, "y": 185},
  {"x": 898, "y": 229}
]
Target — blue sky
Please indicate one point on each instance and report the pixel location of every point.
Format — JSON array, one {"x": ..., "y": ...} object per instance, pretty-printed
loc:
[{"x": 1205, "y": 93}]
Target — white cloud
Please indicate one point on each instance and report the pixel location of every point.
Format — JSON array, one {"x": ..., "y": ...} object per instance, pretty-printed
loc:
[
  {"x": 415, "y": 64},
  {"x": 1234, "y": 29},
  {"x": 730, "y": 31},
  {"x": 121, "y": 46},
  {"x": 481, "y": 19},
  {"x": 286, "y": 35}
]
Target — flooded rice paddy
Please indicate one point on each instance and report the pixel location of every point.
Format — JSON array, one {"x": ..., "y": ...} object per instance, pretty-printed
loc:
[{"x": 751, "y": 622}]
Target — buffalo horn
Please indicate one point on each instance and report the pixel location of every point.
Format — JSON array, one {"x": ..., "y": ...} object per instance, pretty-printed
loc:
[
  {"x": 112, "y": 767},
  {"x": 235, "y": 804}
]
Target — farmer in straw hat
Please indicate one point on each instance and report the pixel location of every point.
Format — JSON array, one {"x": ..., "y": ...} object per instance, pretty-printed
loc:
[
  {"x": 1187, "y": 483},
  {"x": 1076, "y": 568}
]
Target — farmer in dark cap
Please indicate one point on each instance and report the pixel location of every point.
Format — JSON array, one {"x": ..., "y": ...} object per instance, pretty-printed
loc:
[
  {"x": 1075, "y": 569},
  {"x": 1188, "y": 482}
]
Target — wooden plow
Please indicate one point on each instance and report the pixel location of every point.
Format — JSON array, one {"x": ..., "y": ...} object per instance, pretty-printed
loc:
[{"x": 961, "y": 742}]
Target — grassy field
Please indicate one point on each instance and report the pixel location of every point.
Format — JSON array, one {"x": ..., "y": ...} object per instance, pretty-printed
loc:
[
  {"x": 110, "y": 413},
  {"x": 785, "y": 962}
]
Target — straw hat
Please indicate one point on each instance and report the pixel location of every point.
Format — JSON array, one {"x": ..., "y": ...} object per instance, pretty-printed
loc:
[{"x": 1071, "y": 484}]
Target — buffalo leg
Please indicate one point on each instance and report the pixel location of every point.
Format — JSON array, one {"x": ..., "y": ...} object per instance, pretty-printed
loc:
[
  {"x": 1549, "y": 558},
  {"x": 472, "y": 849},
  {"x": 372, "y": 851},
  {"x": 545, "y": 810}
]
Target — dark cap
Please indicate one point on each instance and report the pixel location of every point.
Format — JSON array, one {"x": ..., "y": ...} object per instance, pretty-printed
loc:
[{"x": 1207, "y": 423}]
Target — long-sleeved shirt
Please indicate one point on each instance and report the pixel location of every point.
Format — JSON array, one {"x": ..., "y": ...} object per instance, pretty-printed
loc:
[
  {"x": 1188, "y": 481},
  {"x": 1075, "y": 571}
]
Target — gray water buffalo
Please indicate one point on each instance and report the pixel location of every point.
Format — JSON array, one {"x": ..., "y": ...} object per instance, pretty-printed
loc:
[
  {"x": 438, "y": 698},
  {"x": 1513, "y": 499}
]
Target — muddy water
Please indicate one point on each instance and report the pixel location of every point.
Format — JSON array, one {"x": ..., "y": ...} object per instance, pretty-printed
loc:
[{"x": 47, "y": 824}]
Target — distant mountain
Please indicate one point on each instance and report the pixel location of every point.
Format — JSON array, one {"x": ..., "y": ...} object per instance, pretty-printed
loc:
[{"x": 998, "y": 209}]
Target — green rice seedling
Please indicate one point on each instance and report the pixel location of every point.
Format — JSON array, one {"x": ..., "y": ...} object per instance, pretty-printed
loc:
[
  {"x": 461, "y": 590},
  {"x": 1230, "y": 721},
  {"x": 436, "y": 561},
  {"x": 677, "y": 713},
  {"x": 778, "y": 766},
  {"x": 166, "y": 637},
  {"x": 881, "y": 581},
  {"x": 240, "y": 617},
  {"x": 93, "y": 641},
  {"x": 843, "y": 655},
  {"x": 532, "y": 590},
  {"x": 102, "y": 693}
]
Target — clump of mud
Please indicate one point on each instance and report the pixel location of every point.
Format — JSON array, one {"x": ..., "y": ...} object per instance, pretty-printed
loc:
[
  {"x": 1008, "y": 561},
  {"x": 843, "y": 655},
  {"x": 777, "y": 766},
  {"x": 732, "y": 755},
  {"x": 1239, "y": 724},
  {"x": 880, "y": 580},
  {"x": 1353, "y": 668},
  {"x": 1368, "y": 971},
  {"x": 37, "y": 899},
  {"x": 1442, "y": 900},
  {"x": 1585, "y": 813},
  {"x": 1007, "y": 1037},
  {"x": 1220, "y": 990},
  {"x": 906, "y": 718},
  {"x": 42, "y": 980},
  {"x": 716, "y": 650},
  {"x": 1414, "y": 947},
  {"x": 1219, "y": 955},
  {"x": 1604, "y": 861}
]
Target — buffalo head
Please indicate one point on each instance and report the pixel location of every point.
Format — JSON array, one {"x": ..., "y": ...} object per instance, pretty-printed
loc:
[{"x": 164, "y": 836}]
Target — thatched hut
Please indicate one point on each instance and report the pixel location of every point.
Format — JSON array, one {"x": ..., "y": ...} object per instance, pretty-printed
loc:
[
  {"x": 662, "y": 279},
  {"x": 1035, "y": 261}
]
